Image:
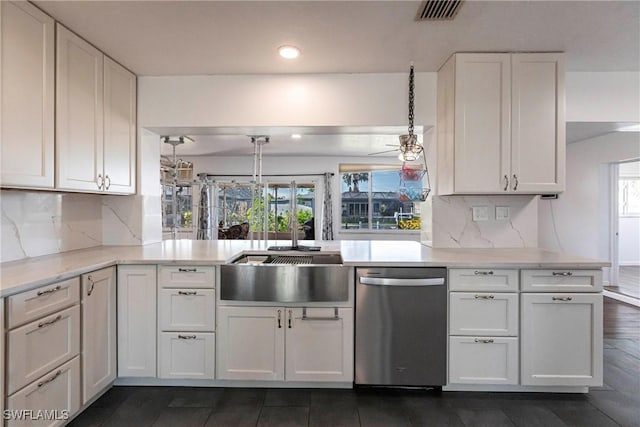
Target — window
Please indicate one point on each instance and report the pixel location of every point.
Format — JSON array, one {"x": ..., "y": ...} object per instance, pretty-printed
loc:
[
  {"x": 183, "y": 219},
  {"x": 382, "y": 198},
  {"x": 235, "y": 205},
  {"x": 629, "y": 196}
]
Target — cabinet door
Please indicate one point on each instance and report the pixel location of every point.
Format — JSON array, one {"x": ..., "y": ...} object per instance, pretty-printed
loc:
[
  {"x": 483, "y": 360},
  {"x": 561, "y": 336},
  {"x": 98, "y": 331},
  {"x": 57, "y": 390},
  {"x": 187, "y": 355},
  {"x": 119, "y": 128},
  {"x": 482, "y": 122},
  {"x": 538, "y": 123},
  {"x": 137, "y": 321},
  {"x": 187, "y": 310},
  {"x": 79, "y": 114},
  {"x": 250, "y": 343},
  {"x": 27, "y": 93},
  {"x": 483, "y": 313},
  {"x": 319, "y": 345}
]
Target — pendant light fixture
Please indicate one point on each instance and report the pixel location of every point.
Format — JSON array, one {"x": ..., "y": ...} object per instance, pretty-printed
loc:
[{"x": 410, "y": 148}]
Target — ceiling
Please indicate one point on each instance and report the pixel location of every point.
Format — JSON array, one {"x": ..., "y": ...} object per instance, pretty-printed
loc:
[
  {"x": 241, "y": 37},
  {"x": 580, "y": 131},
  {"x": 314, "y": 141}
]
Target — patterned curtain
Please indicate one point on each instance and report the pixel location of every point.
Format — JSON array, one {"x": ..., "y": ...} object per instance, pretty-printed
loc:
[
  {"x": 204, "y": 226},
  {"x": 327, "y": 217}
]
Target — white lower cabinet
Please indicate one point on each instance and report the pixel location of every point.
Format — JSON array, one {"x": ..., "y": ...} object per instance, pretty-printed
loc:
[
  {"x": 38, "y": 347},
  {"x": 561, "y": 339},
  {"x": 137, "y": 330},
  {"x": 98, "y": 331},
  {"x": 250, "y": 343},
  {"x": 319, "y": 344},
  {"x": 187, "y": 309},
  {"x": 187, "y": 355},
  {"x": 55, "y": 392},
  {"x": 483, "y": 313},
  {"x": 285, "y": 343},
  {"x": 483, "y": 360}
]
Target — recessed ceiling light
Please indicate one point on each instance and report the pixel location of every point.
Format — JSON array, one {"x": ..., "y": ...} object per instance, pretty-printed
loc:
[
  {"x": 289, "y": 52},
  {"x": 296, "y": 136}
]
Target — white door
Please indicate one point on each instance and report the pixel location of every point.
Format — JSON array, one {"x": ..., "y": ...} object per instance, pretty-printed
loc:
[
  {"x": 119, "y": 128},
  {"x": 561, "y": 339},
  {"x": 98, "y": 331},
  {"x": 538, "y": 124},
  {"x": 482, "y": 134},
  {"x": 319, "y": 344},
  {"x": 27, "y": 95},
  {"x": 79, "y": 114},
  {"x": 137, "y": 321},
  {"x": 187, "y": 355},
  {"x": 250, "y": 343}
]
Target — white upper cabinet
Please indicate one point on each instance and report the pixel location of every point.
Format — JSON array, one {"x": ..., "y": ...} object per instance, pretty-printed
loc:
[
  {"x": 119, "y": 128},
  {"x": 95, "y": 118},
  {"x": 79, "y": 132},
  {"x": 501, "y": 124},
  {"x": 27, "y": 96}
]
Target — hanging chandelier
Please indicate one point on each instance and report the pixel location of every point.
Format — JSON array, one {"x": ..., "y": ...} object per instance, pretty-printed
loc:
[{"x": 410, "y": 148}]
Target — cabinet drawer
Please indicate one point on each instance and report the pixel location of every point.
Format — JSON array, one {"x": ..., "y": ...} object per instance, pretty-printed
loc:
[
  {"x": 483, "y": 279},
  {"x": 561, "y": 280},
  {"x": 186, "y": 276},
  {"x": 37, "y": 347},
  {"x": 187, "y": 309},
  {"x": 187, "y": 355},
  {"x": 58, "y": 390},
  {"x": 494, "y": 314},
  {"x": 31, "y": 305},
  {"x": 483, "y": 360}
]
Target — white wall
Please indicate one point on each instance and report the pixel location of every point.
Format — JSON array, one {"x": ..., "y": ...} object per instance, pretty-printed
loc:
[
  {"x": 578, "y": 222},
  {"x": 285, "y": 100},
  {"x": 629, "y": 240},
  {"x": 603, "y": 97}
]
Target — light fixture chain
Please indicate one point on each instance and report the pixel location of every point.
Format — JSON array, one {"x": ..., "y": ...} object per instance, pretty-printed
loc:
[{"x": 411, "y": 98}]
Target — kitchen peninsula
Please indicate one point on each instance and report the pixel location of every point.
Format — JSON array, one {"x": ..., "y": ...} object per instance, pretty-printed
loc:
[{"x": 513, "y": 315}]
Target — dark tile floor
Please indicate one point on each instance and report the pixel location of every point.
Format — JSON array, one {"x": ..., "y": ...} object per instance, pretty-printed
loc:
[{"x": 616, "y": 403}]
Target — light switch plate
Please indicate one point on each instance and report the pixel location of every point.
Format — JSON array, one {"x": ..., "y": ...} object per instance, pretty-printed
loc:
[
  {"x": 502, "y": 213},
  {"x": 480, "y": 213}
]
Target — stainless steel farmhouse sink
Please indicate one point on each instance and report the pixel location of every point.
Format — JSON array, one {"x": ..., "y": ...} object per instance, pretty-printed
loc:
[{"x": 285, "y": 278}]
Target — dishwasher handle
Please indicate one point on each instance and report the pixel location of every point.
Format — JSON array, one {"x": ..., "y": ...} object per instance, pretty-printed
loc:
[{"x": 390, "y": 281}]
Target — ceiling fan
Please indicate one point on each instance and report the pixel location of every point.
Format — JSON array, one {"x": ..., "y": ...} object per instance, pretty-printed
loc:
[{"x": 410, "y": 149}]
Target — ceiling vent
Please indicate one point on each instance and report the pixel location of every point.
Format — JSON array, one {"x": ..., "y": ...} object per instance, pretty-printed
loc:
[{"x": 438, "y": 10}]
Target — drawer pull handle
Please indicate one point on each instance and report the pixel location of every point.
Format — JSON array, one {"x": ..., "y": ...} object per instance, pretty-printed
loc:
[
  {"x": 187, "y": 293},
  {"x": 48, "y": 380},
  {"x": 49, "y": 322},
  {"x": 484, "y": 340},
  {"x": 562, "y": 273},
  {"x": 483, "y": 273},
  {"x": 279, "y": 319},
  {"x": 506, "y": 183},
  {"x": 561, "y": 298},
  {"x": 187, "y": 337},
  {"x": 484, "y": 297},
  {"x": 290, "y": 316},
  {"x": 49, "y": 291},
  {"x": 515, "y": 179},
  {"x": 187, "y": 270},
  {"x": 334, "y": 317},
  {"x": 91, "y": 285}
]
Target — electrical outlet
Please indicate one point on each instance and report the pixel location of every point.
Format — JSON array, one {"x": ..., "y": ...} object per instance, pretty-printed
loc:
[
  {"x": 502, "y": 213},
  {"x": 480, "y": 213}
]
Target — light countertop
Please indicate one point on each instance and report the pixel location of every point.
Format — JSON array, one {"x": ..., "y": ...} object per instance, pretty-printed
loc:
[{"x": 18, "y": 276}]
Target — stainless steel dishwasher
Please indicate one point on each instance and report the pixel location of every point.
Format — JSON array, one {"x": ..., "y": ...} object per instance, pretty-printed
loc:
[{"x": 401, "y": 327}]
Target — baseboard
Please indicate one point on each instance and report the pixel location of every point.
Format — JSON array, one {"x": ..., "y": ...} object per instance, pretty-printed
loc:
[
  {"x": 134, "y": 381},
  {"x": 622, "y": 298},
  {"x": 515, "y": 388}
]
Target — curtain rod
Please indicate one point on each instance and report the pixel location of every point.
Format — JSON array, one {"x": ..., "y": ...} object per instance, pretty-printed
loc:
[{"x": 247, "y": 175}]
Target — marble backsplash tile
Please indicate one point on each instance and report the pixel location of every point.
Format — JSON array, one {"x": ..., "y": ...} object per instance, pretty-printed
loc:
[
  {"x": 43, "y": 223},
  {"x": 453, "y": 226}
]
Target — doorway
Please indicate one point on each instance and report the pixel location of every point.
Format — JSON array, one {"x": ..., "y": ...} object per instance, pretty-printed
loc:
[{"x": 625, "y": 234}]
